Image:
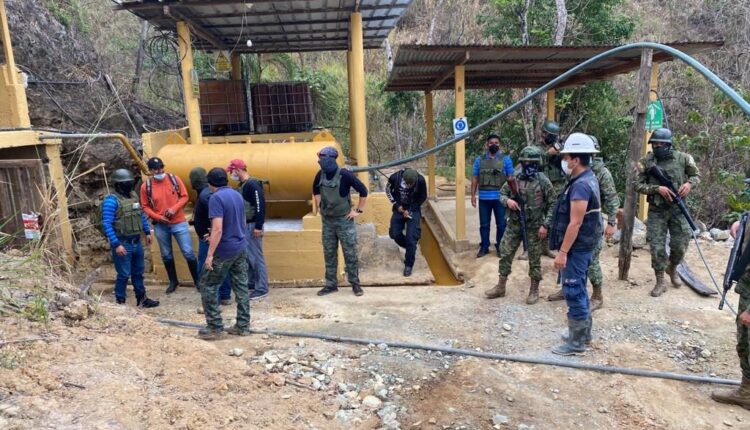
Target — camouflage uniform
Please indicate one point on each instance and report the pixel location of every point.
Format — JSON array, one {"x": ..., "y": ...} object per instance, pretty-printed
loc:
[
  {"x": 539, "y": 197},
  {"x": 610, "y": 204},
  {"x": 664, "y": 216},
  {"x": 743, "y": 332},
  {"x": 236, "y": 268},
  {"x": 550, "y": 166},
  {"x": 337, "y": 228}
]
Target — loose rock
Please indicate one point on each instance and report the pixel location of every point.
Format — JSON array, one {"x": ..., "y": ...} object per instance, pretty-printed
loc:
[
  {"x": 499, "y": 420},
  {"x": 77, "y": 310},
  {"x": 371, "y": 402},
  {"x": 236, "y": 352}
]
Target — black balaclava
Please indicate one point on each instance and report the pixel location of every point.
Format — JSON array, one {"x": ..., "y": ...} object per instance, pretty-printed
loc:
[
  {"x": 328, "y": 164},
  {"x": 124, "y": 188},
  {"x": 663, "y": 152},
  {"x": 529, "y": 170},
  {"x": 550, "y": 139}
]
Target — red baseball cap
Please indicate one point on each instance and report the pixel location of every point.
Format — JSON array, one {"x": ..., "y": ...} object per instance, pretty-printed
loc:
[{"x": 236, "y": 164}]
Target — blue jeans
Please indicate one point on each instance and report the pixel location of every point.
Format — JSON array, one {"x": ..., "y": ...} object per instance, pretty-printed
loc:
[
  {"x": 257, "y": 272},
  {"x": 181, "y": 233},
  {"x": 574, "y": 278},
  {"x": 129, "y": 266},
  {"x": 225, "y": 291},
  {"x": 486, "y": 208},
  {"x": 409, "y": 240}
]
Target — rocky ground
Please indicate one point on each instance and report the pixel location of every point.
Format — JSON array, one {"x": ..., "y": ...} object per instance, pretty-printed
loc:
[{"x": 97, "y": 365}]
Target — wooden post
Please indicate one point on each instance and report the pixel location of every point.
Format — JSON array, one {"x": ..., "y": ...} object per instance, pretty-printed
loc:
[
  {"x": 551, "y": 105},
  {"x": 460, "y": 158},
  {"x": 192, "y": 106},
  {"x": 236, "y": 60},
  {"x": 652, "y": 96},
  {"x": 430, "y": 132},
  {"x": 637, "y": 135}
]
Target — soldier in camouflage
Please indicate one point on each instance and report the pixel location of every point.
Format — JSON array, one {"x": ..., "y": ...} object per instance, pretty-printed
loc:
[
  {"x": 741, "y": 395},
  {"x": 538, "y": 197},
  {"x": 610, "y": 204},
  {"x": 331, "y": 189},
  {"x": 663, "y": 215},
  {"x": 550, "y": 147}
]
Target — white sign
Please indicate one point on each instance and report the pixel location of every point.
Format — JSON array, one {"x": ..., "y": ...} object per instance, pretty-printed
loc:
[{"x": 460, "y": 126}]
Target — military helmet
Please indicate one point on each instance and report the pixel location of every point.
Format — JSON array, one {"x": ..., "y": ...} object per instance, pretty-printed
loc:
[
  {"x": 661, "y": 135},
  {"x": 530, "y": 154},
  {"x": 596, "y": 142},
  {"x": 122, "y": 175},
  {"x": 551, "y": 127}
]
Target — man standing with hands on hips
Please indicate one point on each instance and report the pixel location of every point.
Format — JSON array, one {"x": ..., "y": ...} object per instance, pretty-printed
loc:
[{"x": 576, "y": 229}]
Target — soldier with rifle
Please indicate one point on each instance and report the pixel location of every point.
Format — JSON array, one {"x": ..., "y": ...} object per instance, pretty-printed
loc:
[
  {"x": 667, "y": 212},
  {"x": 530, "y": 199},
  {"x": 738, "y": 272}
]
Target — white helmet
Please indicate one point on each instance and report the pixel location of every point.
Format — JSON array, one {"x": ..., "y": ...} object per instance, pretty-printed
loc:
[{"x": 579, "y": 143}]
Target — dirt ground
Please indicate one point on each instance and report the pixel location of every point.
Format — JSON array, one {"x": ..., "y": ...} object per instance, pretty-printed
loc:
[{"x": 120, "y": 369}]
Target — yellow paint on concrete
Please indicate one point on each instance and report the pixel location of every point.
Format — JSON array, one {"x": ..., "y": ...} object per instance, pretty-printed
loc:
[
  {"x": 236, "y": 66},
  {"x": 460, "y": 158},
  {"x": 357, "y": 77},
  {"x": 439, "y": 267},
  {"x": 653, "y": 95},
  {"x": 430, "y": 137},
  {"x": 551, "y": 105},
  {"x": 14, "y": 109},
  {"x": 192, "y": 107},
  {"x": 14, "y": 139}
]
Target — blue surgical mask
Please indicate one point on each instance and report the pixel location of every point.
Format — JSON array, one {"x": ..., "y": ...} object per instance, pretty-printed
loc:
[{"x": 160, "y": 176}]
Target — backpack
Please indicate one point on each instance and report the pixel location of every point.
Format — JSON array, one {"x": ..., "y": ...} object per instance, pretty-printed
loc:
[{"x": 172, "y": 179}]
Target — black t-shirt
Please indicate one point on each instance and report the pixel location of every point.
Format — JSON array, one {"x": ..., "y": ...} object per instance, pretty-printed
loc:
[{"x": 348, "y": 181}]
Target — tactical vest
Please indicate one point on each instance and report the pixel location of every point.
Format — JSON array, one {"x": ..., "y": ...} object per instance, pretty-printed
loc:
[
  {"x": 591, "y": 230},
  {"x": 491, "y": 173},
  {"x": 553, "y": 172},
  {"x": 331, "y": 202},
  {"x": 128, "y": 221},
  {"x": 533, "y": 197},
  {"x": 674, "y": 168},
  {"x": 250, "y": 210}
]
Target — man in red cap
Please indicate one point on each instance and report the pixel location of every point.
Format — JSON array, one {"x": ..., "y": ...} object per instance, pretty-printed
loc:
[{"x": 255, "y": 215}]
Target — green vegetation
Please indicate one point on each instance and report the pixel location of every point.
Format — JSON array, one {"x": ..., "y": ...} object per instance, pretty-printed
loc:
[{"x": 69, "y": 13}]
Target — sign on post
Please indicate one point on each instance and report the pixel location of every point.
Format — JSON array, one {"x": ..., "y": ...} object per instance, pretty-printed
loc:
[
  {"x": 654, "y": 115},
  {"x": 222, "y": 63},
  {"x": 460, "y": 126}
]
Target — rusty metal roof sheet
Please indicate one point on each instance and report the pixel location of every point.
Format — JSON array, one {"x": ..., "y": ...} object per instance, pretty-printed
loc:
[
  {"x": 431, "y": 67},
  {"x": 272, "y": 26}
]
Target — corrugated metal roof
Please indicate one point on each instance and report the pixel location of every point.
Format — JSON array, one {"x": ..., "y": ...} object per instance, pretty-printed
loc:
[
  {"x": 430, "y": 67},
  {"x": 272, "y": 26}
]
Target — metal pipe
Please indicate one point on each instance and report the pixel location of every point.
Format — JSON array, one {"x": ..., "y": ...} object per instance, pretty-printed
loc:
[
  {"x": 690, "y": 61},
  {"x": 481, "y": 354},
  {"x": 119, "y": 136}
]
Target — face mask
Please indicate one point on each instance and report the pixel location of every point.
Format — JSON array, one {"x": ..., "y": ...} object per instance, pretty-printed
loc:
[
  {"x": 494, "y": 148},
  {"x": 529, "y": 170},
  {"x": 234, "y": 177},
  {"x": 662, "y": 152},
  {"x": 549, "y": 139},
  {"x": 565, "y": 168},
  {"x": 124, "y": 188},
  {"x": 160, "y": 176},
  {"x": 328, "y": 164}
]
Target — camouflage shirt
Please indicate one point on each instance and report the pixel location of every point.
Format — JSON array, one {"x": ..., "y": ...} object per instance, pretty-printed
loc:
[
  {"x": 551, "y": 167},
  {"x": 538, "y": 197},
  {"x": 607, "y": 191},
  {"x": 680, "y": 168}
]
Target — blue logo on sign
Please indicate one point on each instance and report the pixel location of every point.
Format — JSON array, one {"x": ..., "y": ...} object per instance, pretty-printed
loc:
[{"x": 460, "y": 125}]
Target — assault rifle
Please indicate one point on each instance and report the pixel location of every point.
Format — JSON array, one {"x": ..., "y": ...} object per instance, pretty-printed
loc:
[
  {"x": 738, "y": 260},
  {"x": 513, "y": 184},
  {"x": 660, "y": 176}
]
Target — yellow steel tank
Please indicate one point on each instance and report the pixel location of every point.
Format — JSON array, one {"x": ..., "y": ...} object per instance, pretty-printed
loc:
[{"x": 289, "y": 167}]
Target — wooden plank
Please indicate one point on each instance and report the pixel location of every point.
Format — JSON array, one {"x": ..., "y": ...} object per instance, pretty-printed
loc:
[{"x": 20, "y": 184}]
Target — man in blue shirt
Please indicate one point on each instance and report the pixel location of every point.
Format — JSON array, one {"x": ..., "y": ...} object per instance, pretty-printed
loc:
[
  {"x": 123, "y": 222},
  {"x": 226, "y": 256},
  {"x": 488, "y": 176},
  {"x": 576, "y": 229}
]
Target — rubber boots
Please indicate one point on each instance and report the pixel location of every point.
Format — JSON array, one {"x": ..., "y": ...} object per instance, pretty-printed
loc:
[
  {"x": 740, "y": 396},
  {"x": 674, "y": 276},
  {"x": 587, "y": 338},
  {"x": 556, "y": 296},
  {"x": 596, "y": 298},
  {"x": 533, "y": 292},
  {"x": 193, "y": 266},
  {"x": 575, "y": 344},
  {"x": 660, "y": 287},
  {"x": 499, "y": 289},
  {"x": 172, "y": 274}
]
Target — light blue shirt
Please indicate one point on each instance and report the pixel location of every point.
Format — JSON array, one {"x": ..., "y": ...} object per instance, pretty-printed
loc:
[{"x": 507, "y": 167}]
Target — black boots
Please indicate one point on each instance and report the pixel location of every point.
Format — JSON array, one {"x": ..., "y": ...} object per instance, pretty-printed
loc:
[
  {"x": 328, "y": 289},
  {"x": 172, "y": 274},
  {"x": 357, "y": 290},
  {"x": 578, "y": 332},
  {"x": 145, "y": 302},
  {"x": 193, "y": 266}
]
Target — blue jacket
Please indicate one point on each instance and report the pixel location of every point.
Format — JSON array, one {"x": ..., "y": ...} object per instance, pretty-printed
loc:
[{"x": 109, "y": 209}]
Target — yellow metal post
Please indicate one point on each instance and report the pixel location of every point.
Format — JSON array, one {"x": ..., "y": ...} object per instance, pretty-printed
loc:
[
  {"x": 460, "y": 159},
  {"x": 551, "y": 105},
  {"x": 352, "y": 155},
  {"x": 642, "y": 202},
  {"x": 14, "y": 109},
  {"x": 236, "y": 66},
  {"x": 357, "y": 76},
  {"x": 430, "y": 131},
  {"x": 189, "y": 80}
]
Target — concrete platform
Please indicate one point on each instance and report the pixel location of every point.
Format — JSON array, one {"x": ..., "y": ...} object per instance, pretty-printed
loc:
[{"x": 446, "y": 206}]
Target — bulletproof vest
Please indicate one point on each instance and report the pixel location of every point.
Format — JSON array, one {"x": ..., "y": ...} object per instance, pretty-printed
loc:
[
  {"x": 491, "y": 173},
  {"x": 128, "y": 221},
  {"x": 673, "y": 167},
  {"x": 553, "y": 172},
  {"x": 533, "y": 197},
  {"x": 250, "y": 210},
  {"x": 591, "y": 230},
  {"x": 331, "y": 202}
]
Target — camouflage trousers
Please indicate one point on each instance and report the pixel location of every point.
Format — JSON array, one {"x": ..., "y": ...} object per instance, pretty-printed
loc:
[
  {"x": 236, "y": 268},
  {"x": 510, "y": 243},
  {"x": 661, "y": 221},
  {"x": 743, "y": 332},
  {"x": 335, "y": 230},
  {"x": 595, "y": 269}
]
